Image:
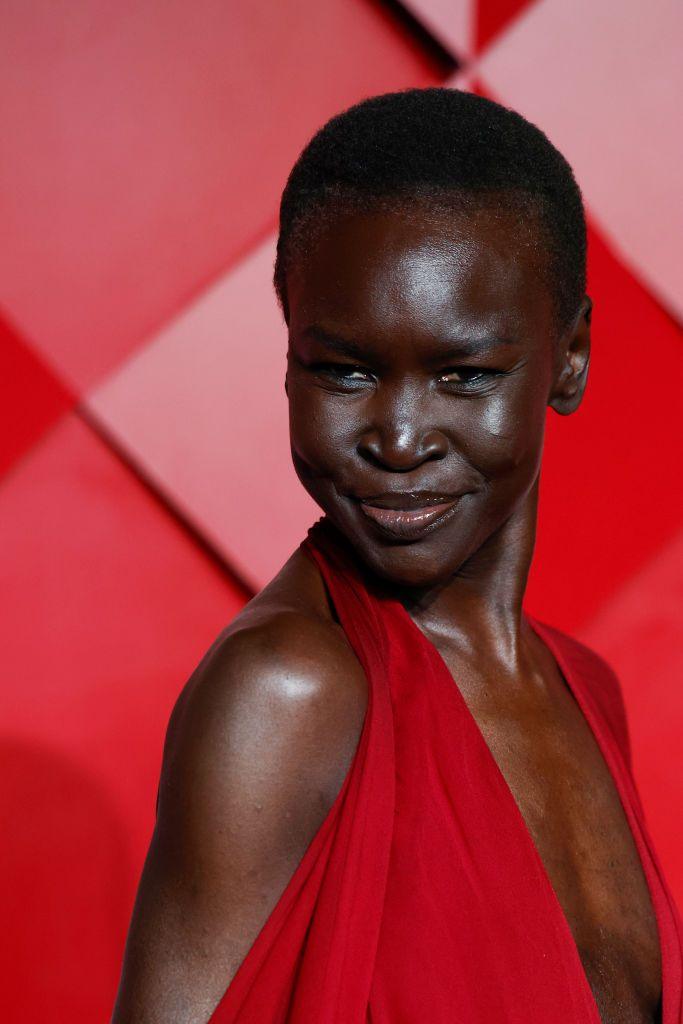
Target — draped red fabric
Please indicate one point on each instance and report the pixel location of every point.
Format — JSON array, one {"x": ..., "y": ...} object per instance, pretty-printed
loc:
[{"x": 422, "y": 897}]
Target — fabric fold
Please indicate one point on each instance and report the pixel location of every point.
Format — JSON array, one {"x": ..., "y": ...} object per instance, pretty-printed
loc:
[{"x": 422, "y": 897}]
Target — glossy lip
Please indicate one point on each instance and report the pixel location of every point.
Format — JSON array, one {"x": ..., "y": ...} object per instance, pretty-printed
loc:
[
  {"x": 406, "y": 500},
  {"x": 403, "y": 523}
]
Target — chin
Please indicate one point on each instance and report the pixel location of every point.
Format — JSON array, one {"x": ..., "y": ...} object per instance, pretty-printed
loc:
[{"x": 406, "y": 565}]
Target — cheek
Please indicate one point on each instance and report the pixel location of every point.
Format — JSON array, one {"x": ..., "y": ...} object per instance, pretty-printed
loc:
[
  {"x": 319, "y": 428},
  {"x": 506, "y": 435}
]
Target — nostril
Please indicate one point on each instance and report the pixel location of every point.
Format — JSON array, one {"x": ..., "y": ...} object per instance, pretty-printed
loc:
[{"x": 403, "y": 454}]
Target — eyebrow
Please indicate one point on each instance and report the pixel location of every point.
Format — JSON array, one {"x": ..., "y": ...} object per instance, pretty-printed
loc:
[
  {"x": 447, "y": 348},
  {"x": 335, "y": 342}
]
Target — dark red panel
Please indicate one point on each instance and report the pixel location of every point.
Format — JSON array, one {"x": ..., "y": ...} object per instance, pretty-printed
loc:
[
  {"x": 67, "y": 878},
  {"x": 640, "y": 635},
  {"x": 107, "y": 606},
  {"x": 611, "y": 486},
  {"x": 32, "y": 398},
  {"x": 492, "y": 16}
]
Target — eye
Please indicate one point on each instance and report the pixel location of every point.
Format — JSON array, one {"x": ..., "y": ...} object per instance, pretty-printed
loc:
[
  {"x": 469, "y": 376},
  {"x": 344, "y": 373}
]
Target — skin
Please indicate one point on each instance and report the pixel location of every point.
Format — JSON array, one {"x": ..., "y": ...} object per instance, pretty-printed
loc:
[{"x": 265, "y": 730}]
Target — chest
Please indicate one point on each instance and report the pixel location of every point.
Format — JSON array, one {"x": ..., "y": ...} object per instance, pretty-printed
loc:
[{"x": 569, "y": 803}]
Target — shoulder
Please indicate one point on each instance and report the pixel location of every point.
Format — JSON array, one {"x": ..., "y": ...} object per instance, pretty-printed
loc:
[
  {"x": 257, "y": 748},
  {"x": 601, "y": 680},
  {"x": 280, "y": 691}
]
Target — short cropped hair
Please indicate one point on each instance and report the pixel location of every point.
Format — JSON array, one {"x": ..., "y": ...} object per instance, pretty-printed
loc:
[{"x": 428, "y": 146}]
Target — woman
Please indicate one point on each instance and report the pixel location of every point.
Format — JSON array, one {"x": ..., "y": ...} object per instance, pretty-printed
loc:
[{"x": 388, "y": 793}]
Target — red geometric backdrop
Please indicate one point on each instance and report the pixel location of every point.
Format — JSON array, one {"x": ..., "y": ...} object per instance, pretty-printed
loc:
[{"x": 146, "y": 147}]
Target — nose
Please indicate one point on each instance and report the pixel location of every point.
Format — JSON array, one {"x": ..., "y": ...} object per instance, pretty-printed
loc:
[{"x": 399, "y": 435}]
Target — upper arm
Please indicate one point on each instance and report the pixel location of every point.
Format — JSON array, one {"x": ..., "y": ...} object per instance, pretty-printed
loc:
[{"x": 256, "y": 750}]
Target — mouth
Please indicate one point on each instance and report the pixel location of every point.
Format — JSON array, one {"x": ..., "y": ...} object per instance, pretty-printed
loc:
[{"x": 410, "y": 515}]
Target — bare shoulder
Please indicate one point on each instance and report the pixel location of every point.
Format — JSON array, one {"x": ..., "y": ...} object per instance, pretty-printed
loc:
[
  {"x": 281, "y": 677},
  {"x": 257, "y": 748}
]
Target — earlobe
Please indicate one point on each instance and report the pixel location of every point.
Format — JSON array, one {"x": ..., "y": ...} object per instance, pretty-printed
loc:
[{"x": 572, "y": 377}]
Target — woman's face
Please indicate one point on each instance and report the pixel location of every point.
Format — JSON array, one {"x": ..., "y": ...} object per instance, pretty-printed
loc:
[{"x": 422, "y": 357}]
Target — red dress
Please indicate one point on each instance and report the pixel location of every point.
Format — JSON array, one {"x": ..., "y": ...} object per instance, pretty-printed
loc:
[{"x": 422, "y": 898}]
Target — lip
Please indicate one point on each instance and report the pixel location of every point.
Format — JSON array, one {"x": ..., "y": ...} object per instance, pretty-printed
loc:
[
  {"x": 406, "y": 500},
  {"x": 401, "y": 517}
]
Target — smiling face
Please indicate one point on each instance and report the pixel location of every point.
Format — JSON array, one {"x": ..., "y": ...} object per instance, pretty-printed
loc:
[{"x": 423, "y": 353}]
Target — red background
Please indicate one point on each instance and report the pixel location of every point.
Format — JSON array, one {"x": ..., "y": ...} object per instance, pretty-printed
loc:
[{"x": 146, "y": 147}]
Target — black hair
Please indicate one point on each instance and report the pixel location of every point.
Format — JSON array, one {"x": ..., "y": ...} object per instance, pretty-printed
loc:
[{"x": 431, "y": 145}]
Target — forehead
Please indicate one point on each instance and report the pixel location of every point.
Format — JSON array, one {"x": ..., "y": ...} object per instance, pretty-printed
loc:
[{"x": 422, "y": 269}]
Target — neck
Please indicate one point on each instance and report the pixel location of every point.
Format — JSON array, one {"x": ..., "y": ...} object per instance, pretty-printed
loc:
[{"x": 480, "y": 606}]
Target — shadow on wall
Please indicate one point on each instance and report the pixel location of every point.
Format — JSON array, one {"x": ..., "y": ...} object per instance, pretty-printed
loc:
[{"x": 66, "y": 885}]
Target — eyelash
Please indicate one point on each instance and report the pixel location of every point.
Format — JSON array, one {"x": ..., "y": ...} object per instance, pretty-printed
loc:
[{"x": 342, "y": 370}]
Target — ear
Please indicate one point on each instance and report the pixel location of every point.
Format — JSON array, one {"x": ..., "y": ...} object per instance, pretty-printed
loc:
[{"x": 572, "y": 361}]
